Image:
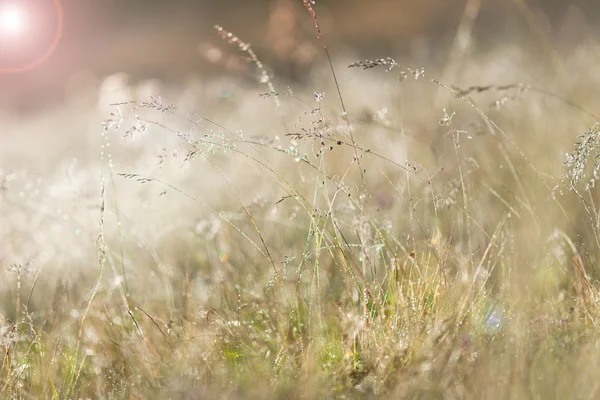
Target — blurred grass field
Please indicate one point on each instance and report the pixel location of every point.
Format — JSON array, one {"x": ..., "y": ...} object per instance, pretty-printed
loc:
[{"x": 244, "y": 237}]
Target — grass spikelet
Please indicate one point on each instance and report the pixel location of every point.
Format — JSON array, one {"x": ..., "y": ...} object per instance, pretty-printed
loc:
[
  {"x": 309, "y": 6},
  {"x": 247, "y": 48}
]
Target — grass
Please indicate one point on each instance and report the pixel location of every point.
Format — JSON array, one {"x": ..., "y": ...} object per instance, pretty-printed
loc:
[{"x": 357, "y": 241}]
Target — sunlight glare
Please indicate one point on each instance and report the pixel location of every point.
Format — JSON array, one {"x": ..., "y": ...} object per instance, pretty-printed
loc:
[{"x": 13, "y": 20}]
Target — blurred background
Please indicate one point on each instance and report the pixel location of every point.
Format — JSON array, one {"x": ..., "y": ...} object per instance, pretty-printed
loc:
[
  {"x": 72, "y": 178},
  {"x": 172, "y": 40}
]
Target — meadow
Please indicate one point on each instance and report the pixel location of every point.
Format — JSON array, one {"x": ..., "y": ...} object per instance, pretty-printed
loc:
[{"x": 382, "y": 230}]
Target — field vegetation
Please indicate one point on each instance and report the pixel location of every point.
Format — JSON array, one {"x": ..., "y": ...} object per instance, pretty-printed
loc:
[{"x": 384, "y": 230}]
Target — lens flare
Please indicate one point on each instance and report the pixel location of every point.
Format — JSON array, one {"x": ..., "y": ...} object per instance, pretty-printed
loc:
[
  {"x": 13, "y": 20},
  {"x": 20, "y": 26}
]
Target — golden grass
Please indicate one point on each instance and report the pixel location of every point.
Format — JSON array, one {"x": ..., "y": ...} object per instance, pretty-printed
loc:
[{"x": 261, "y": 249}]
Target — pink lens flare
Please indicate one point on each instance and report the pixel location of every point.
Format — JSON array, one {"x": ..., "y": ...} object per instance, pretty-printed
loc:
[
  {"x": 16, "y": 24},
  {"x": 13, "y": 20}
]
